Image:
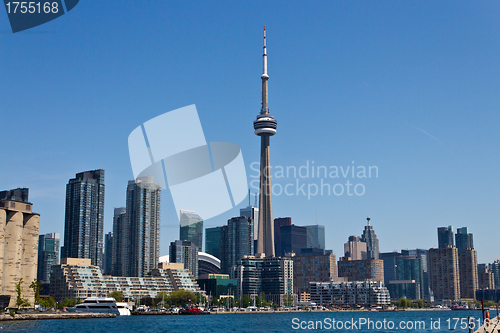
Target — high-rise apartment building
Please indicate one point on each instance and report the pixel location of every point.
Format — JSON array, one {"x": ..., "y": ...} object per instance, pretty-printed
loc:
[
  {"x": 84, "y": 220},
  {"x": 143, "y": 220},
  {"x": 108, "y": 253},
  {"x": 236, "y": 242},
  {"x": 213, "y": 241},
  {"x": 278, "y": 223},
  {"x": 361, "y": 270},
  {"x": 185, "y": 252},
  {"x": 445, "y": 237},
  {"x": 355, "y": 248},
  {"x": 494, "y": 267},
  {"x": 444, "y": 273},
  {"x": 314, "y": 268},
  {"x": 371, "y": 240},
  {"x": 191, "y": 228},
  {"x": 272, "y": 277},
  {"x": 253, "y": 213},
  {"x": 467, "y": 265},
  {"x": 464, "y": 239},
  {"x": 485, "y": 278},
  {"x": 120, "y": 245},
  {"x": 48, "y": 255},
  {"x": 18, "y": 248}
]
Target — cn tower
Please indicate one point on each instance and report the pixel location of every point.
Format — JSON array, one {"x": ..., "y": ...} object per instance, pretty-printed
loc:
[{"x": 265, "y": 127}]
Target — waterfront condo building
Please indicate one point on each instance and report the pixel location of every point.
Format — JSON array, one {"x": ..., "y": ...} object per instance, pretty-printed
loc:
[
  {"x": 236, "y": 242},
  {"x": 84, "y": 220},
  {"x": 467, "y": 265},
  {"x": 366, "y": 293},
  {"x": 444, "y": 273},
  {"x": 185, "y": 252},
  {"x": 314, "y": 268},
  {"x": 121, "y": 243},
  {"x": 143, "y": 223}
]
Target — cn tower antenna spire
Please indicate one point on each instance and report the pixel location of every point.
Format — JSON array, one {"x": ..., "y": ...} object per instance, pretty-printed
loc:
[{"x": 264, "y": 77}]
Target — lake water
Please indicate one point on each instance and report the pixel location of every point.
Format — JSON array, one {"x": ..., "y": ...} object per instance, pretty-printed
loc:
[{"x": 403, "y": 321}]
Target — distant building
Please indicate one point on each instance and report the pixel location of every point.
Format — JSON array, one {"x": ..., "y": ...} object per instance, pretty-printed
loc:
[
  {"x": 488, "y": 295},
  {"x": 355, "y": 248},
  {"x": 423, "y": 255},
  {"x": 278, "y": 223},
  {"x": 18, "y": 248},
  {"x": 77, "y": 278},
  {"x": 485, "y": 279},
  {"x": 84, "y": 219},
  {"x": 191, "y": 228},
  {"x": 143, "y": 224},
  {"x": 121, "y": 243},
  {"x": 237, "y": 242},
  {"x": 315, "y": 236},
  {"x": 409, "y": 289},
  {"x": 464, "y": 239},
  {"x": 271, "y": 276},
  {"x": 350, "y": 293},
  {"x": 48, "y": 255},
  {"x": 18, "y": 194},
  {"x": 213, "y": 241},
  {"x": 293, "y": 239},
  {"x": 399, "y": 268},
  {"x": 371, "y": 240},
  {"x": 313, "y": 268},
  {"x": 185, "y": 252},
  {"x": 253, "y": 213},
  {"x": 445, "y": 237},
  {"x": 208, "y": 264},
  {"x": 361, "y": 270},
  {"x": 444, "y": 273},
  {"x": 217, "y": 285},
  {"x": 108, "y": 253},
  {"x": 495, "y": 269},
  {"x": 467, "y": 266}
]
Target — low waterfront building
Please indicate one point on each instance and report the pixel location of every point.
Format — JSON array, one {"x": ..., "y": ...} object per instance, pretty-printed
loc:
[
  {"x": 217, "y": 285},
  {"x": 77, "y": 278},
  {"x": 367, "y": 293},
  {"x": 18, "y": 244}
]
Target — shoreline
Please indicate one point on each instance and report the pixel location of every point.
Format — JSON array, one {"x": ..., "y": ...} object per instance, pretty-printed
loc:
[{"x": 61, "y": 315}]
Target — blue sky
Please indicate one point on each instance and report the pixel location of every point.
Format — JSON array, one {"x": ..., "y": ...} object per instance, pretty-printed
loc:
[{"x": 408, "y": 86}]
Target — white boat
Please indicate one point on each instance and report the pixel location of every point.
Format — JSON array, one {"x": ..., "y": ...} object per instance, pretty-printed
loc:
[{"x": 102, "y": 305}]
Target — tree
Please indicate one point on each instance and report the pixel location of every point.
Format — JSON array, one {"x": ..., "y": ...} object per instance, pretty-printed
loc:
[
  {"x": 69, "y": 302},
  {"x": 288, "y": 300},
  {"x": 47, "y": 302},
  {"x": 37, "y": 288},
  {"x": 20, "y": 301},
  {"x": 182, "y": 297},
  {"x": 117, "y": 295},
  {"x": 245, "y": 301}
]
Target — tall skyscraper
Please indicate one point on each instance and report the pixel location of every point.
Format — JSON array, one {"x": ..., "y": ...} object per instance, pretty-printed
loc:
[
  {"x": 84, "y": 221},
  {"x": 444, "y": 273},
  {"x": 236, "y": 242},
  {"x": 494, "y": 267},
  {"x": 445, "y": 237},
  {"x": 278, "y": 223},
  {"x": 467, "y": 266},
  {"x": 355, "y": 248},
  {"x": 464, "y": 239},
  {"x": 423, "y": 255},
  {"x": 108, "y": 253},
  {"x": 185, "y": 252},
  {"x": 121, "y": 245},
  {"x": 143, "y": 219},
  {"x": 48, "y": 255},
  {"x": 213, "y": 241},
  {"x": 253, "y": 213},
  {"x": 293, "y": 239},
  {"x": 371, "y": 240},
  {"x": 315, "y": 236},
  {"x": 265, "y": 127},
  {"x": 191, "y": 228}
]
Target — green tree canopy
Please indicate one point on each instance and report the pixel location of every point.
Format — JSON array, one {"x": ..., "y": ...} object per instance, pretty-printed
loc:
[
  {"x": 117, "y": 295},
  {"x": 182, "y": 297}
]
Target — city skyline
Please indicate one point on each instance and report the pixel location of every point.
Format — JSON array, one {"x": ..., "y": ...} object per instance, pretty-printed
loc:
[{"x": 405, "y": 88}]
